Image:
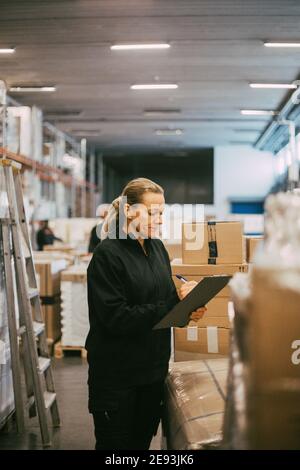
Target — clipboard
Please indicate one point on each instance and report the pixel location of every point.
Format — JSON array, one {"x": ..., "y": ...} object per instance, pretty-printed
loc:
[{"x": 201, "y": 294}]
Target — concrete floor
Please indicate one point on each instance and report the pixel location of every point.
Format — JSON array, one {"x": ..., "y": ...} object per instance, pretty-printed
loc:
[{"x": 76, "y": 431}]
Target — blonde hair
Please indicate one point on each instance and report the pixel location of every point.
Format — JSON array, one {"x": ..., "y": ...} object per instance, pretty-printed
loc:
[{"x": 133, "y": 194}]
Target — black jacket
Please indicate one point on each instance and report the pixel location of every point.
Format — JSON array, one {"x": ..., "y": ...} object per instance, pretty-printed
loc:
[{"x": 128, "y": 293}]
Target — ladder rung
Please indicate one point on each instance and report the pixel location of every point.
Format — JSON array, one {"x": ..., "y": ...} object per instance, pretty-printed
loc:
[
  {"x": 21, "y": 330},
  {"x": 30, "y": 402},
  {"x": 33, "y": 292},
  {"x": 38, "y": 328},
  {"x": 44, "y": 363},
  {"x": 49, "y": 398}
]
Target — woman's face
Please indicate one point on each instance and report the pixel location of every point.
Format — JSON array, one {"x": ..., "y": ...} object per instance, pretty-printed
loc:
[{"x": 146, "y": 218}]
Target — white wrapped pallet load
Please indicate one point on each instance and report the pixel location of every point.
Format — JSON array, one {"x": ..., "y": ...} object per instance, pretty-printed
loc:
[{"x": 74, "y": 311}]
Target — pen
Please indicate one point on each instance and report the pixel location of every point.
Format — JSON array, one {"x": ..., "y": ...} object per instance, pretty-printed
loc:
[{"x": 181, "y": 278}]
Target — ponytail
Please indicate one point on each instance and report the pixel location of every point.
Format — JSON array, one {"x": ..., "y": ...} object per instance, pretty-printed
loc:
[{"x": 109, "y": 226}]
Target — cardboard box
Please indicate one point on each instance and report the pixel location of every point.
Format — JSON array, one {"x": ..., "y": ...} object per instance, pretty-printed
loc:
[
  {"x": 274, "y": 328},
  {"x": 274, "y": 420},
  {"x": 191, "y": 342},
  {"x": 60, "y": 247},
  {"x": 77, "y": 273},
  {"x": 216, "y": 314},
  {"x": 251, "y": 245},
  {"x": 193, "y": 272},
  {"x": 48, "y": 275},
  {"x": 195, "y": 404},
  {"x": 52, "y": 318},
  {"x": 213, "y": 243},
  {"x": 174, "y": 249},
  {"x": 179, "y": 267}
]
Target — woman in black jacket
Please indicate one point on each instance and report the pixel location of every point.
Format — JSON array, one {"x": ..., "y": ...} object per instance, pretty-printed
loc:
[{"x": 130, "y": 289}]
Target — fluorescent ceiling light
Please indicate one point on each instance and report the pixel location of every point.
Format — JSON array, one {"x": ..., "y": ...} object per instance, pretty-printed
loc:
[
  {"x": 7, "y": 50},
  {"x": 158, "y": 112},
  {"x": 291, "y": 86},
  {"x": 258, "y": 112},
  {"x": 168, "y": 131},
  {"x": 32, "y": 89},
  {"x": 282, "y": 44},
  {"x": 247, "y": 130},
  {"x": 128, "y": 47},
  {"x": 155, "y": 86},
  {"x": 62, "y": 113}
]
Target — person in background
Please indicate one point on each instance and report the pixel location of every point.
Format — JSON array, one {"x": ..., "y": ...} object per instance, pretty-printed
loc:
[
  {"x": 130, "y": 289},
  {"x": 45, "y": 235},
  {"x": 101, "y": 212}
]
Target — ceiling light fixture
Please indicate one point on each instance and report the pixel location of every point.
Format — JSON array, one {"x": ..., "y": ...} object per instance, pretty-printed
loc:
[
  {"x": 131, "y": 47},
  {"x": 155, "y": 86},
  {"x": 32, "y": 89},
  {"x": 168, "y": 131},
  {"x": 290, "y": 86},
  {"x": 282, "y": 44},
  {"x": 159, "y": 112},
  {"x": 7, "y": 50},
  {"x": 258, "y": 112}
]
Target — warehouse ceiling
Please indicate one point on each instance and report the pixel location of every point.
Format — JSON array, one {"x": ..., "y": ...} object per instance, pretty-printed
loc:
[{"x": 216, "y": 50}]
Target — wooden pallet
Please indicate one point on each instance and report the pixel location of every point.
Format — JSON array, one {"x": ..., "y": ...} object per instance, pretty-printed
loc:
[{"x": 60, "y": 348}]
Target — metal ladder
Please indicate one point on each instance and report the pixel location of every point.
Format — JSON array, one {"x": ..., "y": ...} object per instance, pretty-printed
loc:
[{"x": 30, "y": 333}]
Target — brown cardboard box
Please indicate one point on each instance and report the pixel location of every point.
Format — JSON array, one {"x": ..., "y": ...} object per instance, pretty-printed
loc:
[
  {"x": 193, "y": 272},
  {"x": 221, "y": 322},
  {"x": 194, "y": 404},
  {"x": 191, "y": 342},
  {"x": 274, "y": 329},
  {"x": 75, "y": 274},
  {"x": 48, "y": 282},
  {"x": 217, "y": 307},
  {"x": 179, "y": 267},
  {"x": 174, "y": 249},
  {"x": 213, "y": 243},
  {"x": 274, "y": 420},
  {"x": 52, "y": 318},
  {"x": 60, "y": 247},
  {"x": 251, "y": 245}
]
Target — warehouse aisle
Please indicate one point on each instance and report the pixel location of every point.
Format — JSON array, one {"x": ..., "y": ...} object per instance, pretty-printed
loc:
[{"x": 76, "y": 432}]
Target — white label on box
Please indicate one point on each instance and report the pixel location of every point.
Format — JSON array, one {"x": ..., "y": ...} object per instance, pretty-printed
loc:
[
  {"x": 2, "y": 353},
  {"x": 58, "y": 265},
  {"x": 38, "y": 281},
  {"x": 192, "y": 333},
  {"x": 212, "y": 339}
]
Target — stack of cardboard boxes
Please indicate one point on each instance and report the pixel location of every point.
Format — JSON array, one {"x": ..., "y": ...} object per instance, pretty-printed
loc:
[
  {"x": 252, "y": 245},
  {"x": 273, "y": 347},
  {"x": 74, "y": 312},
  {"x": 208, "y": 249},
  {"x": 48, "y": 267}
]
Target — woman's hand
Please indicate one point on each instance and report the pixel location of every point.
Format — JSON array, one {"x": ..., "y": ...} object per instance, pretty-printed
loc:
[
  {"x": 186, "y": 288},
  {"x": 198, "y": 314}
]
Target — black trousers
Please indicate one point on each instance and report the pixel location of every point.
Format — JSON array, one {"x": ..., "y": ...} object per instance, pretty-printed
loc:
[{"x": 127, "y": 419}]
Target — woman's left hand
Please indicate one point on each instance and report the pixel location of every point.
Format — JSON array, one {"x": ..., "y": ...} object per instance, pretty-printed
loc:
[{"x": 198, "y": 314}]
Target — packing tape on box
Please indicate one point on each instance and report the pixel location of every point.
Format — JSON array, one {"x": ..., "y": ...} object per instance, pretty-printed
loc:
[
  {"x": 212, "y": 242},
  {"x": 212, "y": 339},
  {"x": 192, "y": 333}
]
